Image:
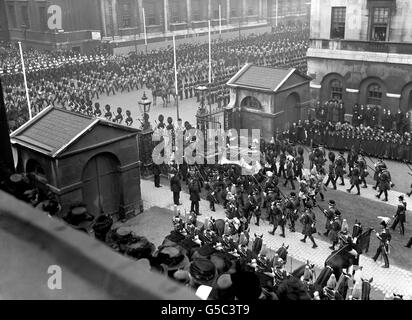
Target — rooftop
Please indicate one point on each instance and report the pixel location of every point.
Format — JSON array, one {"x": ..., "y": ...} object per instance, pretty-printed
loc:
[
  {"x": 54, "y": 129},
  {"x": 263, "y": 78}
]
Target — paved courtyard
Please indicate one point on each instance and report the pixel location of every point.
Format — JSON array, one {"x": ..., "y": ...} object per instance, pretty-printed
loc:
[
  {"x": 187, "y": 112},
  {"x": 394, "y": 279}
]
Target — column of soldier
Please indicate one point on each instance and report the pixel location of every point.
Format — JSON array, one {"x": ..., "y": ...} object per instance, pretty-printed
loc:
[
  {"x": 245, "y": 197},
  {"x": 73, "y": 81},
  {"x": 378, "y": 134}
]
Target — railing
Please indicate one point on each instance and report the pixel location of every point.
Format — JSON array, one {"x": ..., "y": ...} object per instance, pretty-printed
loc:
[
  {"x": 48, "y": 36},
  {"x": 362, "y": 45}
]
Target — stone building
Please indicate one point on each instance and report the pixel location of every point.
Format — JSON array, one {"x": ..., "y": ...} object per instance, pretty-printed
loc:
[
  {"x": 80, "y": 158},
  {"x": 268, "y": 99},
  {"x": 85, "y": 22},
  {"x": 27, "y": 21},
  {"x": 361, "y": 52}
]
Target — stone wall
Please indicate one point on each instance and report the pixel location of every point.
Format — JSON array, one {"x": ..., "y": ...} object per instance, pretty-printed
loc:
[{"x": 90, "y": 270}]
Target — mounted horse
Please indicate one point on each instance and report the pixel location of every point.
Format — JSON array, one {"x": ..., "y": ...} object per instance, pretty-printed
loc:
[{"x": 348, "y": 255}]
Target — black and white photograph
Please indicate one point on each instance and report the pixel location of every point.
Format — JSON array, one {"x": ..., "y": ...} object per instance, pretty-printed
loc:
[{"x": 214, "y": 151}]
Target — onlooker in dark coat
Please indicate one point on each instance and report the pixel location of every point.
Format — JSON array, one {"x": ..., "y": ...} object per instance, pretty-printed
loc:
[
  {"x": 156, "y": 173},
  {"x": 176, "y": 188},
  {"x": 194, "y": 190}
]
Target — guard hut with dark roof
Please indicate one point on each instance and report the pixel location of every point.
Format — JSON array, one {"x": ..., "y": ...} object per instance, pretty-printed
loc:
[
  {"x": 267, "y": 98},
  {"x": 82, "y": 159}
]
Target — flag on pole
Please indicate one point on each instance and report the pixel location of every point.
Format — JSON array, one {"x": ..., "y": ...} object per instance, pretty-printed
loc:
[{"x": 25, "y": 80}]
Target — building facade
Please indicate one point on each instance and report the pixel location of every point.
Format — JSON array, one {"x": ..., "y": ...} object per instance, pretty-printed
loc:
[
  {"x": 361, "y": 52},
  {"x": 85, "y": 22},
  {"x": 269, "y": 99},
  {"x": 28, "y": 21}
]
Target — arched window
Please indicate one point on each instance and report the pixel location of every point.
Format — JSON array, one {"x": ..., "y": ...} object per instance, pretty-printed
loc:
[
  {"x": 251, "y": 102},
  {"x": 336, "y": 89},
  {"x": 374, "y": 94}
]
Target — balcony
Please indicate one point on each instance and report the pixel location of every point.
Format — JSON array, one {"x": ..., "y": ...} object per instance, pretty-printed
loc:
[{"x": 361, "y": 45}]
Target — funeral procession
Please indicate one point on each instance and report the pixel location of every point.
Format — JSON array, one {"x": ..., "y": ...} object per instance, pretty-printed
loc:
[{"x": 215, "y": 150}]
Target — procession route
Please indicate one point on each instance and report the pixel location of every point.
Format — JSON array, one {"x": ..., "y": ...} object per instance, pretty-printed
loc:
[{"x": 388, "y": 281}]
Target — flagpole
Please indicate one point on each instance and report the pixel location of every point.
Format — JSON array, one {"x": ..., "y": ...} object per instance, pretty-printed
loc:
[
  {"x": 176, "y": 86},
  {"x": 210, "y": 56},
  {"x": 144, "y": 28},
  {"x": 277, "y": 13},
  {"x": 220, "y": 19},
  {"x": 25, "y": 80},
  {"x": 210, "y": 67}
]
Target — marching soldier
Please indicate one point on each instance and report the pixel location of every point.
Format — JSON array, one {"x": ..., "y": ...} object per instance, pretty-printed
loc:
[
  {"x": 354, "y": 179},
  {"x": 351, "y": 159},
  {"x": 340, "y": 168},
  {"x": 363, "y": 171},
  {"x": 332, "y": 171},
  {"x": 335, "y": 228},
  {"x": 277, "y": 218},
  {"x": 292, "y": 207},
  {"x": 379, "y": 167},
  {"x": 400, "y": 216},
  {"x": 252, "y": 209},
  {"x": 308, "y": 221},
  {"x": 330, "y": 216},
  {"x": 384, "y": 184},
  {"x": 282, "y": 162},
  {"x": 384, "y": 238}
]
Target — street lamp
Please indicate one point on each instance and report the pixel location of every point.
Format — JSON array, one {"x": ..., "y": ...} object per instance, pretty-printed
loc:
[{"x": 144, "y": 105}]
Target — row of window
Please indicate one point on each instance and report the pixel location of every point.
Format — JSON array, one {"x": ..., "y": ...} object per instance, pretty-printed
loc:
[
  {"x": 374, "y": 92},
  {"x": 178, "y": 11},
  {"x": 19, "y": 16},
  {"x": 378, "y": 27}
]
